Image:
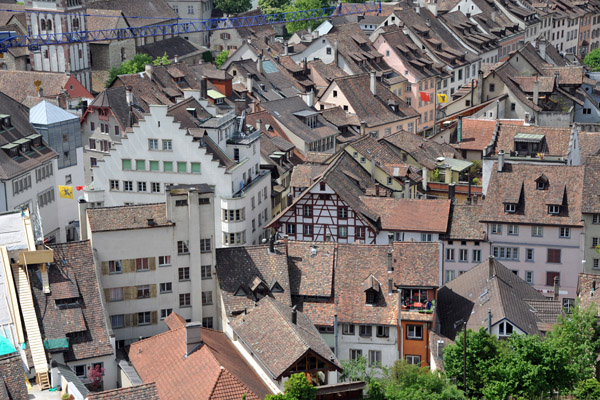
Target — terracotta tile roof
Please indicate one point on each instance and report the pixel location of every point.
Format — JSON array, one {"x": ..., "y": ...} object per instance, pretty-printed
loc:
[
  {"x": 103, "y": 19},
  {"x": 517, "y": 183},
  {"x": 410, "y": 214},
  {"x": 175, "y": 46},
  {"x": 591, "y": 185},
  {"x": 424, "y": 151},
  {"x": 589, "y": 144},
  {"x": 146, "y": 391},
  {"x": 375, "y": 110},
  {"x": 303, "y": 175},
  {"x": 19, "y": 84},
  {"x": 556, "y": 140},
  {"x": 311, "y": 274},
  {"x": 476, "y": 134},
  {"x": 316, "y": 157},
  {"x": 72, "y": 276},
  {"x": 464, "y": 223},
  {"x": 279, "y": 349},
  {"x": 225, "y": 374},
  {"x": 527, "y": 83},
  {"x": 127, "y": 217},
  {"x": 146, "y": 13},
  {"x": 566, "y": 75},
  {"x": 271, "y": 127},
  {"x": 385, "y": 158},
  {"x": 470, "y": 295},
  {"x": 587, "y": 290},
  {"x": 115, "y": 99},
  {"x": 414, "y": 263},
  {"x": 338, "y": 117},
  {"x": 237, "y": 269},
  {"x": 320, "y": 314}
]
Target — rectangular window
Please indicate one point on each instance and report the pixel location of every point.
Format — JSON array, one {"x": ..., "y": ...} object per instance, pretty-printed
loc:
[
  {"x": 529, "y": 277},
  {"x": 359, "y": 232},
  {"x": 506, "y": 253},
  {"x": 596, "y": 219},
  {"x": 184, "y": 273},
  {"x": 152, "y": 144},
  {"x": 164, "y": 261},
  {"x": 355, "y": 353},
  {"x": 141, "y": 264},
  {"x": 415, "y": 360},
  {"x": 510, "y": 207},
  {"x": 168, "y": 166},
  {"x": 343, "y": 231},
  {"x": 114, "y": 185},
  {"x": 565, "y": 233},
  {"x": 126, "y": 164},
  {"x": 529, "y": 255},
  {"x": 426, "y": 237},
  {"x": 117, "y": 321},
  {"x": 116, "y": 294},
  {"x": 365, "y": 330},
  {"x": 143, "y": 291},
  {"x": 167, "y": 144},
  {"x": 537, "y": 231},
  {"x": 207, "y": 298},
  {"x": 414, "y": 332},
  {"x": 550, "y": 278},
  {"x": 497, "y": 229},
  {"x": 596, "y": 263},
  {"x": 374, "y": 358},
  {"x": 343, "y": 212},
  {"x": 183, "y": 247},
  {"x": 155, "y": 187},
  {"x": 449, "y": 275},
  {"x": 164, "y": 313},
  {"x": 114, "y": 267},
  {"x": 308, "y": 211},
  {"x": 128, "y": 186},
  {"x": 154, "y": 166},
  {"x": 383, "y": 331},
  {"x": 181, "y": 167},
  {"x": 144, "y": 318},
  {"x": 93, "y": 162},
  {"x": 307, "y": 230},
  {"x": 553, "y": 209},
  {"x": 205, "y": 272},
  {"x": 513, "y": 230},
  {"x": 207, "y": 322},
  {"x": 476, "y": 255},
  {"x": 449, "y": 254},
  {"x": 140, "y": 165},
  {"x": 166, "y": 287},
  {"x": 463, "y": 255},
  {"x": 347, "y": 329},
  {"x": 141, "y": 186},
  {"x": 289, "y": 228},
  {"x": 195, "y": 167},
  {"x": 185, "y": 300},
  {"x": 554, "y": 256},
  {"x": 205, "y": 245}
]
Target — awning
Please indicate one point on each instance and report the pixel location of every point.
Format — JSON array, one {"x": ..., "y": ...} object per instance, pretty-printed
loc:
[{"x": 529, "y": 137}]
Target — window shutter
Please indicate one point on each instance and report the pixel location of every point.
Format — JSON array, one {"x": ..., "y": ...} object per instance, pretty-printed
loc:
[
  {"x": 130, "y": 292},
  {"x": 152, "y": 263},
  {"x": 104, "y": 267},
  {"x": 153, "y": 290},
  {"x": 128, "y": 265},
  {"x": 107, "y": 295},
  {"x": 128, "y": 320},
  {"x": 134, "y": 319},
  {"x": 154, "y": 317}
]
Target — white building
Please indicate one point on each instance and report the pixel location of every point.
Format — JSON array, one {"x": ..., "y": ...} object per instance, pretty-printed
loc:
[
  {"x": 154, "y": 259},
  {"x": 172, "y": 145}
]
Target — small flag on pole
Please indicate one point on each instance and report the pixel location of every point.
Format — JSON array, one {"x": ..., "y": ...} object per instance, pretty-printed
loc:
[
  {"x": 66, "y": 192},
  {"x": 442, "y": 98},
  {"x": 79, "y": 188},
  {"x": 425, "y": 96}
]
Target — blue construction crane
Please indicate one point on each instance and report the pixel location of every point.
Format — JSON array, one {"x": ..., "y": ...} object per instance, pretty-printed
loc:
[{"x": 33, "y": 42}]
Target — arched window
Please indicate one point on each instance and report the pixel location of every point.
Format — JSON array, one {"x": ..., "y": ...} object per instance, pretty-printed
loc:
[
  {"x": 49, "y": 24},
  {"x": 43, "y": 25}
]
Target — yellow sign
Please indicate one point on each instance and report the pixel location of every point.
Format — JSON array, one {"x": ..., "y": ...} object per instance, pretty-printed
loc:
[
  {"x": 66, "y": 192},
  {"x": 442, "y": 98}
]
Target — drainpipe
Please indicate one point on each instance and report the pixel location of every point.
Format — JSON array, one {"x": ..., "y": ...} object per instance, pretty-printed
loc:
[
  {"x": 335, "y": 335},
  {"x": 400, "y": 330},
  {"x": 459, "y": 130}
]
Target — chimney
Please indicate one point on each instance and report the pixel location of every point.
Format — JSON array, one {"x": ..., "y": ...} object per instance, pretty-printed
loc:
[
  {"x": 556, "y": 288},
  {"x": 480, "y": 86},
  {"x": 176, "y": 59},
  {"x": 285, "y": 48},
  {"x": 556, "y": 79},
  {"x": 500, "y": 161},
  {"x": 41, "y": 92},
  {"x": 363, "y": 128},
  {"x": 148, "y": 70},
  {"x": 452, "y": 191},
  {"x": 459, "y": 130},
  {"x": 407, "y": 188},
  {"x": 424, "y": 180},
  {"x": 390, "y": 286},
  {"x": 193, "y": 337},
  {"x": 335, "y": 52},
  {"x": 304, "y": 66},
  {"x": 249, "y": 84},
  {"x": 491, "y": 267},
  {"x": 129, "y": 95},
  {"x": 373, "y": 83},
  {"x": 309, "y": 98},
  {"x": 536, "y": 90},
  {"x": 418, "y": 9},
  {"x": 390, "y": 257},
  {"x": 294, "y": 315},
  {"x": 258, "y": 125},
  {"x": 259, "y": 63},
  {"x": 272, "y": 244},
  {"x": 542, "y": 48},
  {"x": 203, "y": 87},
  {"x": 494, "y": 16}
]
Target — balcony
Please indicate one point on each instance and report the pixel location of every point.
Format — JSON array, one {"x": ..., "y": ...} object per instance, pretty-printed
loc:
[
  {"x": 242, "y": 138},
  {"x": 249, "y": 185}
]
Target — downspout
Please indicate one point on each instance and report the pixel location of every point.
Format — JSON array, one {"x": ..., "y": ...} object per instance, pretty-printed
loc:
[
  {"x": 335, "y": 335},
  {"x": 400, "y": 330}
]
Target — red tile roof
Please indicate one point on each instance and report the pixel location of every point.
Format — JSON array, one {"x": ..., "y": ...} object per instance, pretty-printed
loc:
[
  {"x": 476, "y": 134},
  {"x": 410, "y": 214},
  {"x": 127, "y": 217},
  {"x": 215, "y": 371},
  {"x": 556, "y": 139},
  {"x": 311, "y": 274},
  {"x": 146, "y": 391}
]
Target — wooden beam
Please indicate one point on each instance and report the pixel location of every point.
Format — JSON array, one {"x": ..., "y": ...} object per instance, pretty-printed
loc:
[{"x": 36, "y": 257}]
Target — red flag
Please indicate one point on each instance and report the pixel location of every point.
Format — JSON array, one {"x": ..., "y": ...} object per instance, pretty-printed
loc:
[
  {"x": 425, "y": 96},
  {"x": 79, "y": 188}
]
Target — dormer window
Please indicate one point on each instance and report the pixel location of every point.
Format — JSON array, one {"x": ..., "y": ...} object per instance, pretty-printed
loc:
[
  {"x": 371, "y": 297},
  {"x": 542, "y": 185},
  {"x": 510, "y": 208},
  {"x": 553, "y": 209},
  {"x": 372, "y": 289}
]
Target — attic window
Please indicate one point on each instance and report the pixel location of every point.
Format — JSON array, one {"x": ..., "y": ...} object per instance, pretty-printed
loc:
[
  {"x": 371, "y": 296},
  {"x": 510, "y": 207},
  {"x": 553, "y": 209},
  {"x": 542, "y": 184},
  {"x": 240, "y": 291}
]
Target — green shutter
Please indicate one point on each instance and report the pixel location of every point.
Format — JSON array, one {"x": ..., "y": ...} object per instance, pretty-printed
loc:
[
  {"x": 181, "y": 167},
  {"x": 154, "y": 166},
  {"x": 126, "y": 164},
  {"x": 140, "y": 165},
  {"x": 168, "y": 166},
  {"x": 195, "y": 167}
]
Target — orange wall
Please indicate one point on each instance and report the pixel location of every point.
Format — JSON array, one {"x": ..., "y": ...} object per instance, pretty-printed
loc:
[
  {"x": 414, "y": 347},
  {"x": 223, "y": 86}
]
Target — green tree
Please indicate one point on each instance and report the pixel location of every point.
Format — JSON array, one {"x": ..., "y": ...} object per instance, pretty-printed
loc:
[
  {"x": 164, "y": 60},
  {"x": 297, "y": 387},
  {"x": 300, "y": 5},
  {"x": 135, "y": 65},
  {"x": 579, "y": 334},
  {"x": 588, "y": 389},
  {"x": 221, "y": 58},
  {"x": 592, "y": 60},
  {"x": 483, "y": 351},
  {"x": 233, "y": 6},
  {"x": 355, "y": 370},
  {"x": 273, "y": 6},
  {"x": 406, "y": 381}
]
